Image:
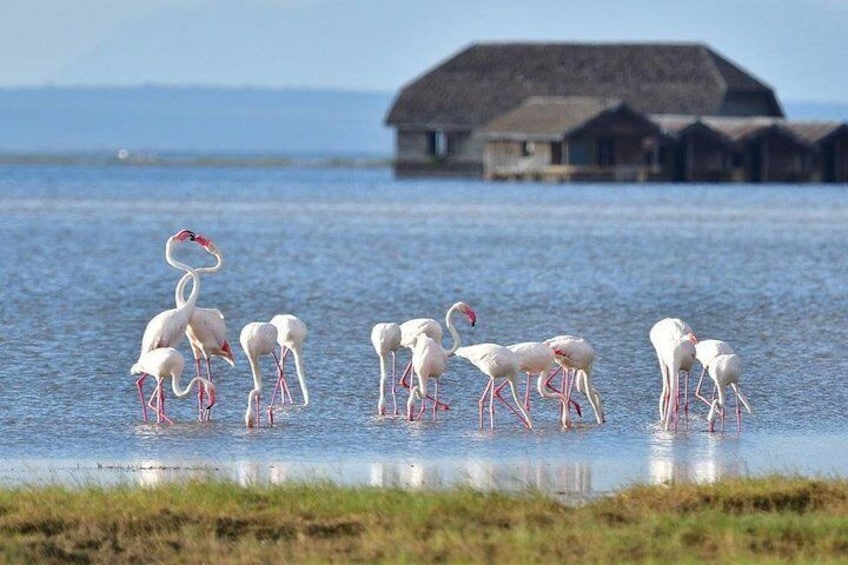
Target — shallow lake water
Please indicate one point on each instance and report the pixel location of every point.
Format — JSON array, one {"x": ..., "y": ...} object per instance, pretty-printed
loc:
[{"x": 761, "y": 267}]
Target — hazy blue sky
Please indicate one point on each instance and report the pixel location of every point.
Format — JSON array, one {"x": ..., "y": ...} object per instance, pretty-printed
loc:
[{"x": 797, "y": 46}]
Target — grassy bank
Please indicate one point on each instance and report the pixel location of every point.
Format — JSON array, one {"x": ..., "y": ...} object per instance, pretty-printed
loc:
[{"x": 771, "y": 519}]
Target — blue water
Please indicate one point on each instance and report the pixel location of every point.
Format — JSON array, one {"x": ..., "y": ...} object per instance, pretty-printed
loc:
[{"x": 761, "y": 267}]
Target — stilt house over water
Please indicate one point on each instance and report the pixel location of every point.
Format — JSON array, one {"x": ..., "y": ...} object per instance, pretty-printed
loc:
[{"x": 577, "y": 111}]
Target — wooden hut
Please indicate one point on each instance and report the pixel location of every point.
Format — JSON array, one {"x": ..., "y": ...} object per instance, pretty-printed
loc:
[
  {"x": 699, "y": 153},
  {"x": 767, "y": 149},
  {"x": 831, "y": 142},
  {"x": 572, "y": 138},
  {"x": 438, "y": 117}
]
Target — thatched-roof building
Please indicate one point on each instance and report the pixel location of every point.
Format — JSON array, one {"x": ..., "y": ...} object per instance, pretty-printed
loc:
[{"x": 601, "y": 111}]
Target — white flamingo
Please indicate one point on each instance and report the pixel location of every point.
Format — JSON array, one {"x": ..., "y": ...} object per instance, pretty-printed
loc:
[
  {"x": 705, "y": 351},
  {"x": 206, "y": 330},
  {"x": 257, "y": 339},
  {"x": 167, "y": 328},
  {"x": 576, "y": 355},
  {"x": 291, "y": 333},
  {"x": 726, "y": 370},
  {"x": 163, "y": 363},
  {"x": 665, "y": 336},
  {"x": 429, "y": 354},
  {"x": 411, "y": 329},
  {"x": 496, "y": 362},
  {"x": 429, "y": 361},
  {"x": 385, "y": 337},
  {"x": 678, "y": 357}
]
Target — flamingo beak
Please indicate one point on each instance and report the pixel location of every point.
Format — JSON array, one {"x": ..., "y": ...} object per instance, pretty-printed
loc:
[
  {"x": 472, "y": 317},
  {"x": 204, "y": 242}
]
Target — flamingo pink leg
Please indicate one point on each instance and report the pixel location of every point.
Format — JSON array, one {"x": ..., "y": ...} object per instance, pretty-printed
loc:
[
  {"x": 281, "y": 384},
  {"x": 140, "y": 386},
  {"x": 394, "y": 383},
  {"x": 405, "y": 384},
  {"x": 571, "y": 401},
  {"x": 497, "y": 393},
  {"x": 482, "y": 398}
]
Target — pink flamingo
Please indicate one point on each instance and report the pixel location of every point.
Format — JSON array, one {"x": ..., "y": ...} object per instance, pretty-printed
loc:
[
  {"x": 257, "y": 339},
  {"x": 705, "y": 351},
  {"x": 167, "y": 328},
  {"x": 665, "y": 336},
  {"x": 207, "y": 330},
  {"x": 576, "y": 355},
  {"x": 167, "y": 362},
  {"x": 429, "y": 361},
  {"x": 725, "y": 370},
  {"x": 291, "y": 333},
  {"x": 411, "y": 329},
  {"x": 385, "y": 337},
  {"x": 431, "y": 357},
  {"x": 537, "y": 358},
  {"x": 496, "y": 362}
]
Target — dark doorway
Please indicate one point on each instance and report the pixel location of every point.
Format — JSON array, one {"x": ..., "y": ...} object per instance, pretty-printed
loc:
[
  {"x": 556, "y": 153},
  {"x": 606, "y": 151}
]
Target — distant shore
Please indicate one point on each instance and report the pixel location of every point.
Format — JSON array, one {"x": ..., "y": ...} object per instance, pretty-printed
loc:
[{"x": 127, "y": 159}]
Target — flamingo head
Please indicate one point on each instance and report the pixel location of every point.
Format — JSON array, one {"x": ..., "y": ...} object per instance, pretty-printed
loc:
[
  {"x": 183, "y": 235},
  {"x": 560, "y": 352},
  {"x": 469, "y": 313},
  {"x": 210, "y": 391},
  {"x": 227, "y": 353},
  {"x": 692, "y": 337}
]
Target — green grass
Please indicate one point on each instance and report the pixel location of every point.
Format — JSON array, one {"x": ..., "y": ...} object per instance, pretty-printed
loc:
[{"x": 742, "y": 520}]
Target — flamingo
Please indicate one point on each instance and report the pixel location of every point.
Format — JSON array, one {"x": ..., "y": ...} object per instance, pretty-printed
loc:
[
  {"x": 575, "y": 354},
  {"x": 385, "y": 337},
  {"x": 537, "y": 358},
  {"x": 664, "y": 336},
  {"x": 726, "y": 369},
  {"x": 677, "y": 357},
  {"x": 496, "y": 362},
  {"x": 291, "y": 333},
  {"x": 257, "y": 339},
  {"x": 429, "y": 361},
  {"x": 206, "y": 330},
  {"x": 411, "y": 329},
  {"x": 164, "y": 362},
  {"x": 429, "y": 355},
  {"x": 167, "y": 328},
  {"x": 705, "y": 351}
]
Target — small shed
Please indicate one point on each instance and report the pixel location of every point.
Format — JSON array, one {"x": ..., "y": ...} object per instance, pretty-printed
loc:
[
  {"x": 831, "y": 142},
  {"x": 700, "y": 153},
  {"x": 572, "y": 138},
  {"x": 767, "y": 149}
]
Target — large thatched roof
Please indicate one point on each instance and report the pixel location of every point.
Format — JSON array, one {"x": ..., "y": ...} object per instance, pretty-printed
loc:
[{"x": 486, "y": 80}]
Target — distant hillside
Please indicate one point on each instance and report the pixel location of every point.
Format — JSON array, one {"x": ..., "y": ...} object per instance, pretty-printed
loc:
[{"x": 300, "y": 123}]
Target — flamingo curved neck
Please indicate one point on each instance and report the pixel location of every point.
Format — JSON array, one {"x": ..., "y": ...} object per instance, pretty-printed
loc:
[
  {"x": 179, "y": 292},
  {"x": 256, "y": 372},
  {"x": 452, "y": 330},
  {"x": 175, "y": 385}
]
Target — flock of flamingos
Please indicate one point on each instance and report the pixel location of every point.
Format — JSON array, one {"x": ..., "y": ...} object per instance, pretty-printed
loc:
[{"x": 675, "y": 343}]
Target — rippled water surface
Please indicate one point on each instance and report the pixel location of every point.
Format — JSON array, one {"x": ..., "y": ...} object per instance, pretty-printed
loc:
[{"x": 761, "y": 267}]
